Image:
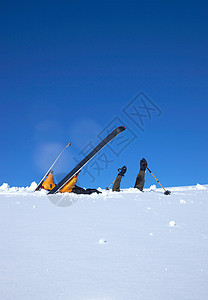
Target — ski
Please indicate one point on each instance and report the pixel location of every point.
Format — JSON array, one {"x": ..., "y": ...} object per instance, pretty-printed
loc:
[
  {"x": 46, "y": 174},
  {"x": 102, "y": 144}
]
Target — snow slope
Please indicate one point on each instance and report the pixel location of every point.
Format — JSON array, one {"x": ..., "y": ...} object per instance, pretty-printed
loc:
[{"x": 127, "y": 245}]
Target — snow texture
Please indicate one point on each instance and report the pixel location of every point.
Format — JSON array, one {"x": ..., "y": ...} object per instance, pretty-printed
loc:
[{"x": 127, "y": 245}]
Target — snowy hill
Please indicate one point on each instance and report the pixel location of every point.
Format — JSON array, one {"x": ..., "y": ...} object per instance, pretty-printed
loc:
[{"x": 127, "y": 245}]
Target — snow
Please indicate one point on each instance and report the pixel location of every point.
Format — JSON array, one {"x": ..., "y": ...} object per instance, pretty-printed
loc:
[
  {"x": 6, "y": 188},
  {"x": 200, "y": 187},
  {"x": 127, "y": 245},
  {"x": 172, "y": 223},
  {"x": 153, "y": 187}
]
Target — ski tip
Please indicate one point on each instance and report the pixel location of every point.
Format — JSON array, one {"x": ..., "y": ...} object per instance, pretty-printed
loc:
[{"x": 122, "y": 128}]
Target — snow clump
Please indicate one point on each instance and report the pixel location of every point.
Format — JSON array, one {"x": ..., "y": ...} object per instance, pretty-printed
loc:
[
  {"x": 172, "y": 223},
  {"x": 4, "y": 187},
  {"x": 153, "y": 187},
  {"x": 102, "y": 241},
  {"x": 200, "y": 187}
]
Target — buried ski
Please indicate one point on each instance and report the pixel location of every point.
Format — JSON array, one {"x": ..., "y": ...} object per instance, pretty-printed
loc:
[{"x": 102, "y": 144}]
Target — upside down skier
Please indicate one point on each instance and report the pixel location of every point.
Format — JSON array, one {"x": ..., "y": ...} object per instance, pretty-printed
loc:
[
  {"x": 70, "y": 187},
  {"x": 140, "y": 179}
]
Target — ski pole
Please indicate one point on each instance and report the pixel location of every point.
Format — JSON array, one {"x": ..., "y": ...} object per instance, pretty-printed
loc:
[
  {"x": 110, "y": 185},
  {"x": 166, "y": 191},
  {"x": 46, "y": 174}
]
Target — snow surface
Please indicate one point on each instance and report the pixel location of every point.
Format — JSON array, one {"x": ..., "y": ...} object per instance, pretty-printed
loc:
[{"x": 127, "y": 245}]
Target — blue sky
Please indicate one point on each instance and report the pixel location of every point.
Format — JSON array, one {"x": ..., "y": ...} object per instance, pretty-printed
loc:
[{"x": 69, "y": 68}]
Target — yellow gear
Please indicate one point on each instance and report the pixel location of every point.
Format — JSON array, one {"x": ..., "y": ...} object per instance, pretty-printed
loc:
[
  {"x": 48, "y": 184},
  {"x": 67, "y": 188}
]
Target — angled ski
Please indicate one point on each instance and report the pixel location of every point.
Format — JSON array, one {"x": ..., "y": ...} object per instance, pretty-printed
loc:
[{"x": 102, "y": 144}]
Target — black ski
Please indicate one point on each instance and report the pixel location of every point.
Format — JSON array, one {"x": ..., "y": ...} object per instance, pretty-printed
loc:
[{"x": 102, "y": 144}]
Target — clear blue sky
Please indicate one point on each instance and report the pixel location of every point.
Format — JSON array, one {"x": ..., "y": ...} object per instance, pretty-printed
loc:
[{"x": 69, "y": 68}]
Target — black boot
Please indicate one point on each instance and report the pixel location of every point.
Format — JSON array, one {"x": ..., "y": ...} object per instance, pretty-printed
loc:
[
  {"x": 122, "y": 170},
  {"x": 143, "y": 164},
  {"x": 140, "y": 180},
  {"x": 117, "y": 182}
]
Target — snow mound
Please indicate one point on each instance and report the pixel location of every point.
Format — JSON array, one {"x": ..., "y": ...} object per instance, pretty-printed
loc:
[
  {"x": 153, "y": 188},
  {"x": 200, "y": 187},
  {"x": 5, "y": 188}
]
